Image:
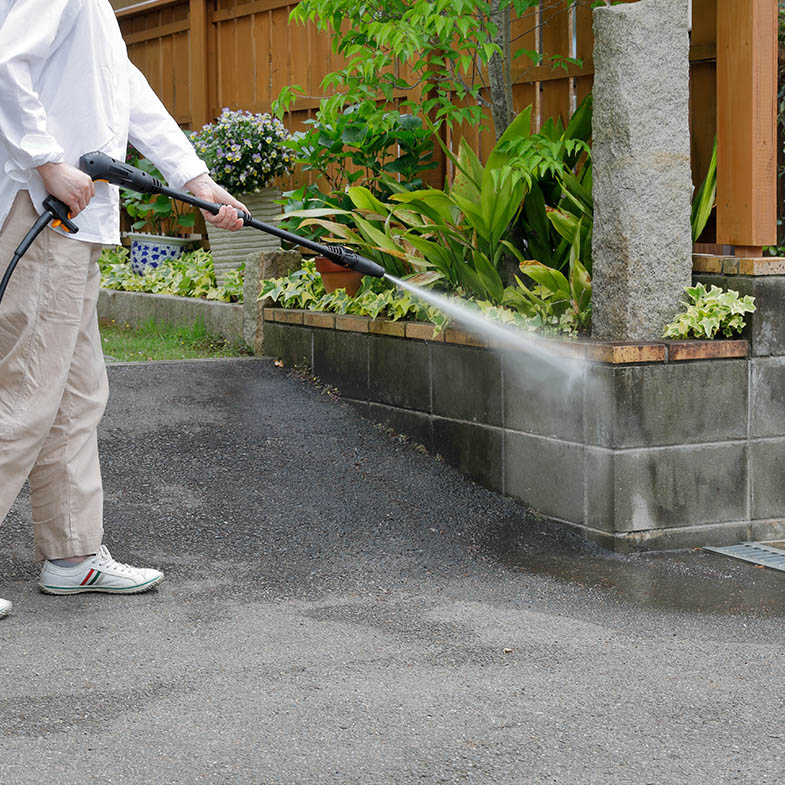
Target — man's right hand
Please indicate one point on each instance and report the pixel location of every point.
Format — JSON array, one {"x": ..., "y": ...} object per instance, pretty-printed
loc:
[{"x": 68, "y": 184}]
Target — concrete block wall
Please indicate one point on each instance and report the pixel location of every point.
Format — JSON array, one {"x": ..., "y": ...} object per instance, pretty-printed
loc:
[
  {"x": 764, "y": 279},
  {"x": 633, "y": 454}
]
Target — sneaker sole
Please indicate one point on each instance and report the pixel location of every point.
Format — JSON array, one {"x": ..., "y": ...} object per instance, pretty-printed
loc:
[{"x": 142, "y": 587}]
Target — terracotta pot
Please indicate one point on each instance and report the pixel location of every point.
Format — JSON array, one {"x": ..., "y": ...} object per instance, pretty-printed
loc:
[{"x": 336, "y": 277}]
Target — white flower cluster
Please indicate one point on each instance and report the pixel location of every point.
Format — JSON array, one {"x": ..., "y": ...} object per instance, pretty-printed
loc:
[{"x": 244, "y": 151}]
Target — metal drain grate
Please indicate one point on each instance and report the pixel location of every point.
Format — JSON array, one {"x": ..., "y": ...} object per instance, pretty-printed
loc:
[{"x": 754, "y": 552}]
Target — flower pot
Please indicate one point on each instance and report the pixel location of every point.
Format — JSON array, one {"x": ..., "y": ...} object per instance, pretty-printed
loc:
[
  {"x": 230, "y": 249},
  {"x": 334, "y": 276},
  {"x": 149, "y": 251}
]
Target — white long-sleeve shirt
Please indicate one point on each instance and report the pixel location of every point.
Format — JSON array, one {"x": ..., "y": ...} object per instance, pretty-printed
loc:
[{"x": 67, "y": 88}]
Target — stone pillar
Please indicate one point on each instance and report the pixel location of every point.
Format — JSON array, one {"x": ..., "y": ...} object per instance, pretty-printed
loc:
[
  {"x": 259, "y": 266},
  {"x": 642, "y": 241}
]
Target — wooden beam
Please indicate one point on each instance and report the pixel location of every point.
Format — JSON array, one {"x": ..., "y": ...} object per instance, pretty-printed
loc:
[
  {"x": 156, "y": 32},
  {"x": 198, "y": 38},
  {"x": 746, "y": 122},
  {"x": 150, "y": 5},
  {"x": 246, "y": 9}
]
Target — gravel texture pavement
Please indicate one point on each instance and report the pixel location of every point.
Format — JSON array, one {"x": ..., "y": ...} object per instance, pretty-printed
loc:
[{"x": 342, "y": 608}]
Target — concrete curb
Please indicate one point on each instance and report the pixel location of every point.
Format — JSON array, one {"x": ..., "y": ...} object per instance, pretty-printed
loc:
[{"x": 135, "y": 308}]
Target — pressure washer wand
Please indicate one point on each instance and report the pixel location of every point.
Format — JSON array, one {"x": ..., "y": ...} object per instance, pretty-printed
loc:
[{"x": 102, "y": 167}]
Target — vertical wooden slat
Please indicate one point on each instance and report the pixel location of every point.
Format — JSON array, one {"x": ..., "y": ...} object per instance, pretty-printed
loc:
[
  {"x": 245, "y": 54},
  {"x": 584, "y": 50},
  {"x": 165, "y": 54},
  {"x": 198, "y": 63},
  {"x": 263, "y": 95},
  {"x": 280, "y": 51},
  {"x": 746, "y": 124},
  {"x": 523, "y": 95},
  {"x": 300, "y": 63},
  {"x": 319, "y": 48},
  {"x": 523, "y": 35},
  {"x": 555, "y": 93}
]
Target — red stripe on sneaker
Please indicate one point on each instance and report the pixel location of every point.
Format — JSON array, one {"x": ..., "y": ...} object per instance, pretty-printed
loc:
[{"x": 87, "y": 578}]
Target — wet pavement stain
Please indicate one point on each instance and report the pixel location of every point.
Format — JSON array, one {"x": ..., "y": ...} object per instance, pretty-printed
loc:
[{"x": 687, "y": 580}]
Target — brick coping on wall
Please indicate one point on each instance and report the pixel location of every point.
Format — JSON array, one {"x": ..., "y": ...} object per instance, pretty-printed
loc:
[
  {"x": 603, "y": 352},
  {"x": 716, "y": 264}
]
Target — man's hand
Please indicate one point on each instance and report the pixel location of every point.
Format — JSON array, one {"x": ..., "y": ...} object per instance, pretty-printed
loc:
[
  {"x": 68, "y": 184},
  {"x": 206, "y": 188}
]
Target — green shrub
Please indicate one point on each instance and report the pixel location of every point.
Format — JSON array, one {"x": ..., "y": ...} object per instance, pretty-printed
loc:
[
  {"x": 376, "y": 299},
  {"x": 708, "y": 312},
  {"x": 192, "y": 275}
]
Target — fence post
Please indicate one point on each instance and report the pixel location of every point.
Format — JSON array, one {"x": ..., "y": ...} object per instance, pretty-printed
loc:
[
  {"x": 198, "y": 36},
  {"x": 746, "y": 124}
]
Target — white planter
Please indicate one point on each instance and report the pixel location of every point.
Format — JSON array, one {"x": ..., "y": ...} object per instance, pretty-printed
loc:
[
  {"x": 230, "y": 249},
  {"x": 149, "y": 251}
]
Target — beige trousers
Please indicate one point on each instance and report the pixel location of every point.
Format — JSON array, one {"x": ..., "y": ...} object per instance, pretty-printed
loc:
[{"x": 53, "y": 386}]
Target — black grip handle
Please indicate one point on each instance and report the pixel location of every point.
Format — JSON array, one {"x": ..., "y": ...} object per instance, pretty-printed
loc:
[{"x": 100, "y": 166}]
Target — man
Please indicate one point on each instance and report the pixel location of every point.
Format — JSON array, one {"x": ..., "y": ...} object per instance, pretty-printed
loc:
[{"x": 66, "y": 88}]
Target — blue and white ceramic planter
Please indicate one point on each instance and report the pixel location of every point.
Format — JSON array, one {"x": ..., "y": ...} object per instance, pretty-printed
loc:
[{"x": 149, "y": 251}]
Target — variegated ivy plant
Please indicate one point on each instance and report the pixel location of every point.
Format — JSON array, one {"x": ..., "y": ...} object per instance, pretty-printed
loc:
[{"x": 709, "y": 312}]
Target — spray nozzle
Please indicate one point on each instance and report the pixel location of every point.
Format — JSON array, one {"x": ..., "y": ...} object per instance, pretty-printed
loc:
[{"x": 353, "y": 261}]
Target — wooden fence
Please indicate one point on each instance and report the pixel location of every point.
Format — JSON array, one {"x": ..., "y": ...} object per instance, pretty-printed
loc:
[{"x": 203, "y": 55}]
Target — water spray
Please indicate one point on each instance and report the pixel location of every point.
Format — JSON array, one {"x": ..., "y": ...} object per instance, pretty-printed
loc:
[{"x": 102, "y": 167}]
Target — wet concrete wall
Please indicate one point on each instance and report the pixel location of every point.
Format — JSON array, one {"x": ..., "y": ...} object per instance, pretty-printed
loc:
[{"x": 635, "y": 455}]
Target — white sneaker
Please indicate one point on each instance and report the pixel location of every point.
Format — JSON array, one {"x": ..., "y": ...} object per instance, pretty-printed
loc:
[
  {"x": 97, "y": 573},
  {"x": 5, "y": 608}
]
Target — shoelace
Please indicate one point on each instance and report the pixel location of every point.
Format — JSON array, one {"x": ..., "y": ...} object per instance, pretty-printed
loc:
[{"x": 104, "y": 559}]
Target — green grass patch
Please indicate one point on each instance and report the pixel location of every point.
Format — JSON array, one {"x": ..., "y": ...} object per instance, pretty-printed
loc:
[{"x": 153, "y": 341}]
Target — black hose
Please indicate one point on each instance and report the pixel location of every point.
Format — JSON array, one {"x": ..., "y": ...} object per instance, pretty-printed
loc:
[
  {"x": 21, "y": 249},
  {"x": 7, "y": 277}
]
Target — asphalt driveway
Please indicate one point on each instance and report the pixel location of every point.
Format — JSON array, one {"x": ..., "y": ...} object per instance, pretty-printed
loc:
[{"x": 341, "y": 607}]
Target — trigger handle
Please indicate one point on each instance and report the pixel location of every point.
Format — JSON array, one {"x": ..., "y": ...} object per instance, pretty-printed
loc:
[{"x": 61, "y": 214}]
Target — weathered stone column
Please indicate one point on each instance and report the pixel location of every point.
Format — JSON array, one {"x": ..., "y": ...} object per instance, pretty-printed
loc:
[
  {"x": 259, "y": 266},
  {"x": 642, "y": 243}
]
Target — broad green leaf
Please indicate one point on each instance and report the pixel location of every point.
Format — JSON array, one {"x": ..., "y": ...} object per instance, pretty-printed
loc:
[
  {"x": 363, "y": 199},
  {"x": 563, "y": 222},
  {"x": 580, "y": 286},
  {"x": 489, "y": 277},
  {"x": 437, "y": 255},
  {"x": 579, "y": 125},
  {"x": 705, "y": 198},
  {"x": 474, "y": 215},
  {"x": 469, "y": 172},
  {"x": 547, "y": 277},
  {"x": 577, "y": 193},
  {"x": 339, "y": 230},
  {"x": 471, "y": 281},
  {"x": 436, "y": 204},
  {"x": 519, "y": 128},
  {"x": 320, "y": 212},
  {"x": 516, "y": 252},
  {"x": 424, "y": 279}
]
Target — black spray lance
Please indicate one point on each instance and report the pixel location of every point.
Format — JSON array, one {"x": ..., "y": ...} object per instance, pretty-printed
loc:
[{"x": 101, "y": 167}]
